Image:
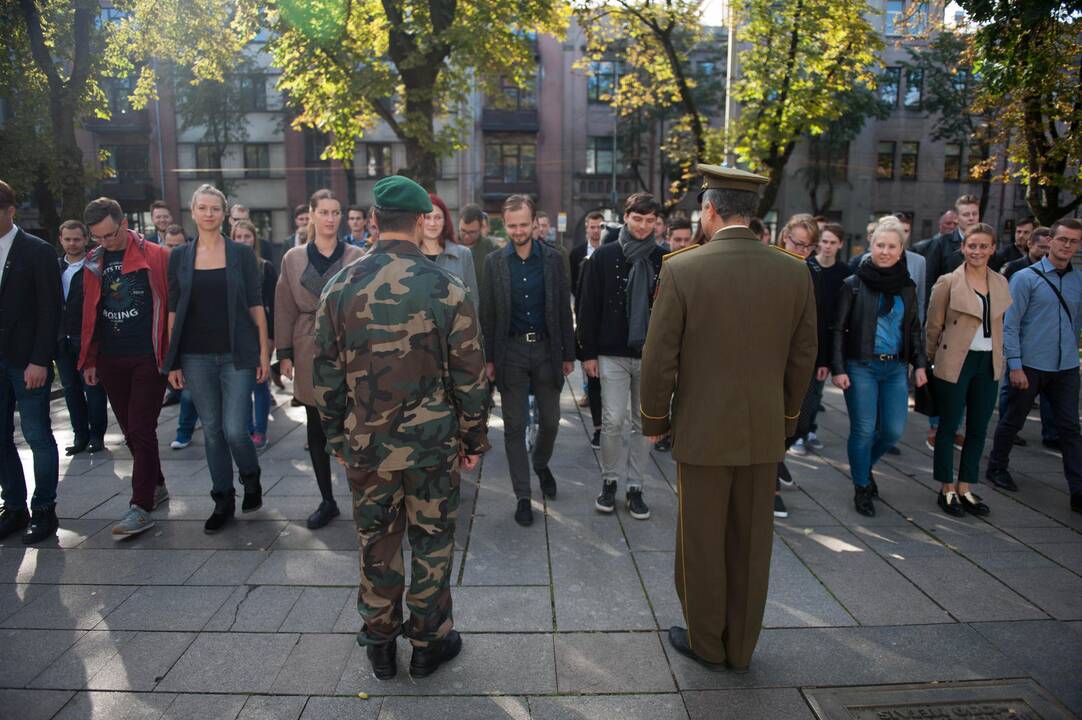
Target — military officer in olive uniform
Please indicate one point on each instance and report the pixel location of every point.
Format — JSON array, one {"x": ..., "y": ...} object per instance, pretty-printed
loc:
[
  {"x": 400, "y": 383},
  {"x": 731, "y": 344}
]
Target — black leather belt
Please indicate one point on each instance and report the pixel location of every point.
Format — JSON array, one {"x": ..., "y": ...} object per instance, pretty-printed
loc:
[{"x": 530, "y": 337}]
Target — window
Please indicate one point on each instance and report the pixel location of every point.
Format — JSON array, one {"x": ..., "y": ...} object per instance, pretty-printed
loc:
[
  {"x": 208, "y": 160},
  {"x": 117, "y": 91},
  {"x": 914, "y": 89},
  {"x": 888, "y": 86},
  {"x": 317, "y": 171},
  {"x": 895, "y": 17},
  {"x": 256, "y": 160},
  {"x": 604, "y": 75},
  {"x": 253, "y": 93},
  {"x": 900, "y": 21},
  {"x": 960, "y": 80},
  {"x": 512, "y": 97},
  {"x": 263, "y": 225},
  {"x": 976, "y": 157},
  {"x": 884, "y": 166},
  {"x": 127, "y": 163},
  {"x": 908, "y": 164},
  {"x": 707, "y": 69},
  {"x": 378, "y": 161},
  {"x": 952, "y": 162},
  {"x": 599, "y": 155},
  {"x": 511, "y": 158}
]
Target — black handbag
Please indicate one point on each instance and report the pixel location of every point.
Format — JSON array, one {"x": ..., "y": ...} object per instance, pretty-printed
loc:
[{"x": 924, "y": 398}]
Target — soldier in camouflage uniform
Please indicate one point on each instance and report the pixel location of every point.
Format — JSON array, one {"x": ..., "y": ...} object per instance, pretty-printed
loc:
[{"x": 400, "y": 386}]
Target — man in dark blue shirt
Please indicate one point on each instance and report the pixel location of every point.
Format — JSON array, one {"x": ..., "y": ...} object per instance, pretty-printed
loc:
[{"x": 529, "y": 340}]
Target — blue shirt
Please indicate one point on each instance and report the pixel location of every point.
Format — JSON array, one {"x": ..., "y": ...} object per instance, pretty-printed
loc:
[
  {"x": 1037, "y": 333},
  {"x": 527, "y": 290},
  {"x": 888, "y": 328}
]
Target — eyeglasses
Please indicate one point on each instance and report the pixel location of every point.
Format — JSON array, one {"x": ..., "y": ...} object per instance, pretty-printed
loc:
[
  {"x": 469, "y": 233},
  {"x": 106, "y": 238},
  {"x": 1069, "y": 242}
]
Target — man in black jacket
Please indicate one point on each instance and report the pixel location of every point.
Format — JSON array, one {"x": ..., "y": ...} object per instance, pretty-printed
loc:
[
  {"x": 595, "y": 221},
  {"x": 29, "y": 319},
  {"x": 530, "y": 343},
  {"x": 944, "y": 252},
  {"x": 86, "y": 403},
  {"x": 614, "y": 312}
]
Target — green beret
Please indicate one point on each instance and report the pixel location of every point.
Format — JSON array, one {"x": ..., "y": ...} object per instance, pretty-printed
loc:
[{"x": 396, "y": 192}]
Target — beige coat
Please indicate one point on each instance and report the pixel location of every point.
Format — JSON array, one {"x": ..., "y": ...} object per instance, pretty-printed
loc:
[
  {"x": 955, "y": 316},
  {"x": 296, "y": 299}
]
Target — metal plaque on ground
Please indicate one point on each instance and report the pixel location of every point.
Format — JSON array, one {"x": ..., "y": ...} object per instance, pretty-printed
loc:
[{"x": 980, "y": 700}]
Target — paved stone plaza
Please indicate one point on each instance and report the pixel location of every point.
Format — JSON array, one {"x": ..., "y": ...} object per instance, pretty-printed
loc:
[{"x": 561, "y": 620}]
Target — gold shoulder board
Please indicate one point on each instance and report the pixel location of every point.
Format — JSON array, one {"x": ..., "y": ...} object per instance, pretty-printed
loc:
[
  {"x": 791, "y": 254},
  {"x": 677, "y": 252}
]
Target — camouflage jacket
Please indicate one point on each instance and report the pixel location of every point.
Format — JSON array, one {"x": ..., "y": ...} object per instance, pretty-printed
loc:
[{"x": 399, "y": 371}]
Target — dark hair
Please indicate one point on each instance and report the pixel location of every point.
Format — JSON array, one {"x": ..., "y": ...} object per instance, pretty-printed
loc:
[
  {"x": 1039, "y": 232},
  {"x": 471, "y": 213},
  {"x": 7, "y": 196},
  {"x": 904, "y": 216},
  {"x": 538, "y": 214},
  {"x": 1027, "y": 220},
  {"x": 732, "y": 203},
  {"x": 447, "y": 235},
  {"x": 834, "y": 229},
  {"x": 1069, "y": 223},
  {"x": 757, "y": 226},
  {"x": 643, "y": 204},
  {"x": 159, "y": 205},
  {"x": 178, "y": 230},
  {"x": 391, "y": 221},
  {"x": 596, "y": 215},
  {"x": 100, "y": 209},
  {"x": 821, "y": 219},
  {"x": 679, "y": 223},
  {"x": 358, "y": 208},
  {"x": 74, "y": 225},
  {"x": 300, "y": 209},
  {"x": 517, "y": 202},
  {"x": 699, "y": 238}
]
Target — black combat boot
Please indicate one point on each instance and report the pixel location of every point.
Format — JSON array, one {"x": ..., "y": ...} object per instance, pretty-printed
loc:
[
  {"x": 427, "y": 660},
  {"x": 225, "y": 507},
  {"x": 43, "y": 524},
  {"x": 253, "y": 491}
]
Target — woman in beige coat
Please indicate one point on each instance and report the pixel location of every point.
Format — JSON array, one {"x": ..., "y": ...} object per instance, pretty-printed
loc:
[
  {"x": 964, "y": 341},
  {"x": 305, "y": 271}
]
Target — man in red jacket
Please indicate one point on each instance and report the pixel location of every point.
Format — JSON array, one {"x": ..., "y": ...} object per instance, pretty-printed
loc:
[{"x": 123, "y": 346}]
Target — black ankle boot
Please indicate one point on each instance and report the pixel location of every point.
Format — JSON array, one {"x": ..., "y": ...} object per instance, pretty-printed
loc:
[
  {"x": 327, "y": 511},
  {"x": 384, "y": 660},
  {"x": 427, "y": 660},
  {"x": 225, "y": 507},
  {"x": 43, "y": 524},
  {"x": 13, "y": 521},
  {"x": 253, "y": 491}
]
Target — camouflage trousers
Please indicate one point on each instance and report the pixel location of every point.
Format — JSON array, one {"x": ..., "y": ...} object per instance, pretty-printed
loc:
[{"x": 421, "y": 503}]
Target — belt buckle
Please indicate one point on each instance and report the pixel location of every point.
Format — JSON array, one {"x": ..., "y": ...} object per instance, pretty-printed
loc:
[{"x": 530, "y": 337}]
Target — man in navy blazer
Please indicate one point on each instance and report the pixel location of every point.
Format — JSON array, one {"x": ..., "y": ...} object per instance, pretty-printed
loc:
[{"x": 29, "y": 322}]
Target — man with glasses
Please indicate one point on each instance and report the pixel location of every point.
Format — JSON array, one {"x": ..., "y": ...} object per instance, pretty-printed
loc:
[
  {"x": 472, "y": 223},
  {"x": 1040, "y": 341},
  {"x": 125, "y": 300}
]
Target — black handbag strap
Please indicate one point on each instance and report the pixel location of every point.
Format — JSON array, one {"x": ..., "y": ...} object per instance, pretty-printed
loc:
[{"x": 1055, "y": 289}]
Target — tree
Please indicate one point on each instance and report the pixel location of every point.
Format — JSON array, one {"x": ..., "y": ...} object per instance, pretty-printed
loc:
[
  {"x": 1028, "y": 62},
  {"x": 799, "y": 58},
  {"x": 346, "y": 65},
  {"x": 655, "y": 42}
]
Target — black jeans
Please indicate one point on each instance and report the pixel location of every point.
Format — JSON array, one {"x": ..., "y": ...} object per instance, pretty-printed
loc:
[
  {"x": 593, "y": 393},
  {"x": 317, "y": 451},
  {"x": 86, "y": 403},
  {"x": 1061, "y": 390},
  {"x": 528, "y": 369}
]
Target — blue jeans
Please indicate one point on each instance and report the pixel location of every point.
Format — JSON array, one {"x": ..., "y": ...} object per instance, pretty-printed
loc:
[
  {"x": 223, "y": 398},
  {"x": 86, "y": 403},
  {"x": 38, "y": 433},
  {"x": 188, "y": 417},
  {"x": 878, "y": 401},
  {"x": 261, "y": 402}
]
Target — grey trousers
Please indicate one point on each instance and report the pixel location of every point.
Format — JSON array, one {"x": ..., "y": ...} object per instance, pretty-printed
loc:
[
  {"x": 619, "y": 391},
  {"x": 528, "y": 368}
]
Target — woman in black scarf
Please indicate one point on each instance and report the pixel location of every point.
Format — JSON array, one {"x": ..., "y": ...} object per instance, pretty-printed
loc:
[{"x": 876, "y": 335}]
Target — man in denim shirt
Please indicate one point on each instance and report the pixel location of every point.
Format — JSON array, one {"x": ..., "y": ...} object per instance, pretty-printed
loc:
[{"x": 1040, "y": 341}]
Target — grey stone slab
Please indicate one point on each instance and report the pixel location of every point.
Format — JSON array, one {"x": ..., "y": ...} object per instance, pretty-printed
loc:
[
  {"x": 1050, "y": 651},
  {"x": 1048, "y": 534},
  {"x": 1055, "y": 590},
  {"x": 205, "y": 707},
  {"x": 28, "y": 652},
  {"x": 317, "y": 609},
  {"x": 33, "y": 704},
  {"x": 315, "y": 665},
  {"x": 493, "y": 664},
  {"x": 15, "y": 596},
  {"x": 334, "y": 708},
  {"x": 502, "y": 553},
  {"x": 86, "y": 567},
  {"x": 228, "y": 567},
  {"x": 867, "y": 586},
  {"x": 984, "y": 598},
  {"x": 116, "y": 706},
  {"x": 796, "y": 597},
  {"x": 230, "y": 662},
  {"x": 620, "y": 707},
  {"x": 503, "y": 609},
  {"x": 186, "y": 608},
  {"x": 796, "y": 657},
  {"x": 656, "y": 570},
  {"x": 70, "y": 506},
  {"x": 273, "y": 707},
  {"x": 189, "y": 535},
  {"x": 255, "y": 608},
  {"x": 605, "y": 663},
  {"x": 308, "y": 567},
  {"x": 70, "y": 606},
  {"x": 1068, "y": 555},
  {"x": 305, "y": 486},
  {"x": 489, "y": 708},
  {"x": 338, "y": 535},
  {"x": 777, "y": 703},
  {"x": 104, "y": 660},
  {"x": 73, "y": 533}
]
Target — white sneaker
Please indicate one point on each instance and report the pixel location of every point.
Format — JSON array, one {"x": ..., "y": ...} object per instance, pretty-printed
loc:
[
  {"x": 178, "y": 445},
  {"x": 798, "y": 448},
  {"x": 812, "y": 442}
]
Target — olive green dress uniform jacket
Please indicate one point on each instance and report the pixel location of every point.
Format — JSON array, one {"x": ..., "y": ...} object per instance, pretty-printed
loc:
[{"x": 732, "y": 343}]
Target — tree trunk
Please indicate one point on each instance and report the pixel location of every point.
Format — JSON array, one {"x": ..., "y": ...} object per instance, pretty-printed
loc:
[
  {"x": 422, "y": 164},
  {"x": 68, "y": 158},
  {"x": 776, "y": 165}
]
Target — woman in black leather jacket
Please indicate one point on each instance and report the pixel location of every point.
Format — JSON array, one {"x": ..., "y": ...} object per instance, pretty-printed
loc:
[{"x": 876, "y": 335}]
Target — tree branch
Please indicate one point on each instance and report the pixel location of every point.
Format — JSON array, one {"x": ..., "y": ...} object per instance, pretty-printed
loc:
[{"x": 40, "y": 52}]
